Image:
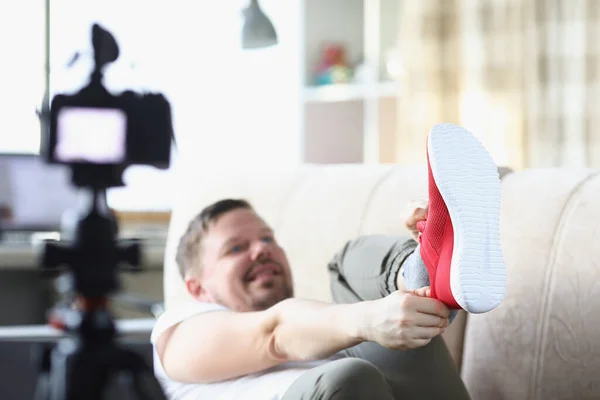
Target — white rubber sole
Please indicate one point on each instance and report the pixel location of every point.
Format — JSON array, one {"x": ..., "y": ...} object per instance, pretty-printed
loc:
[{"x": 468, "y": 181}]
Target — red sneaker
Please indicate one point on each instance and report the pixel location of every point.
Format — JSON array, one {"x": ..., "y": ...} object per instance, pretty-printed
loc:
[{"x": 460, "y": 239}]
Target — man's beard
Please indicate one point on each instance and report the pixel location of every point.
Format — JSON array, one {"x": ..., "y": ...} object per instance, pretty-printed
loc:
[
  {"x": 262, "y": 303},
  {"x": 273, "y": 297},
  {"x": 275, "y": 294}
]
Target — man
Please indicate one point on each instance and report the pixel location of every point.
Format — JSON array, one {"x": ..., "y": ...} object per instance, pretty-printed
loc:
[{"x": 247, "y": 337}]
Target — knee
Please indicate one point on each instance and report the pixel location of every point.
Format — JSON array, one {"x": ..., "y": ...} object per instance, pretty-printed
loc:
[{"x": 356, "y": 378}]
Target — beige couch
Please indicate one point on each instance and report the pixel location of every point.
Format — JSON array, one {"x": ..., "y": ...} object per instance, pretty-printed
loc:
[{"x": 542, "y": 343}]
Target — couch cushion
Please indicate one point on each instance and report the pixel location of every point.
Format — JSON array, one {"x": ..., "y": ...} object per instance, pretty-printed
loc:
[{"x": 542, "y": 342}]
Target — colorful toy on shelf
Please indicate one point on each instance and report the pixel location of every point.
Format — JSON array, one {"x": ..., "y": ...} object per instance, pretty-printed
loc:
[{"x": 333, "y": 67}]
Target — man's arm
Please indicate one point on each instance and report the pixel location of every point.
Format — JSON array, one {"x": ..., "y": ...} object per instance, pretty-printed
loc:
[{"x": 220, "y": 345}]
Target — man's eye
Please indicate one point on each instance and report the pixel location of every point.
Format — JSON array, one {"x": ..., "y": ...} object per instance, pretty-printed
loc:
[
  {"x": 236, "y": 249},
  {"x": 268, "y": 239}
]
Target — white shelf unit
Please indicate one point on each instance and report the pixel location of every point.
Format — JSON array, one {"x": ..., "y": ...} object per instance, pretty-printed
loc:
[
  {"x": 350, "y": 91},
  {"x": 352, "y": 122}
]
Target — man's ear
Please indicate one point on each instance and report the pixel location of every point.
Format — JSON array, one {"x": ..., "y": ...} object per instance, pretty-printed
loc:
[{"x": 195, "y": 287}]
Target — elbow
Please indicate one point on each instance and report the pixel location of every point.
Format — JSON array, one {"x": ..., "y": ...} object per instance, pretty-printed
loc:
[
  {"x": 176, "y": 371},
  {"x": 248, "y": 343},
  {"x": 188, "y": 367},
  {"x": 278, "y": 332},
  {"x": 273, "y": 332}
]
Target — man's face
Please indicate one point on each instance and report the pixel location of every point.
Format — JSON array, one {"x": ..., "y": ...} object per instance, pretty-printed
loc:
[{"x": 242, "y": 266}]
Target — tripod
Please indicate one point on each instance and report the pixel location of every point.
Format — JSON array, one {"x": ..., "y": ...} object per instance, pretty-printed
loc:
[{"x": 82, "y": 365}]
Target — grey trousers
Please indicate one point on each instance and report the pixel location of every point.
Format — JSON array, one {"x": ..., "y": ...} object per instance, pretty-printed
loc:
[{"x": 366, "y": 269}]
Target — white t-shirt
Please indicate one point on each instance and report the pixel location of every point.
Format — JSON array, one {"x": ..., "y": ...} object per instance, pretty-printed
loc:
[{"x": 270, "y": 384}]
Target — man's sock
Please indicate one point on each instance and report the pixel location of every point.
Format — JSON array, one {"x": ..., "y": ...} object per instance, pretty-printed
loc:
[{"x": 416, "y": 276}]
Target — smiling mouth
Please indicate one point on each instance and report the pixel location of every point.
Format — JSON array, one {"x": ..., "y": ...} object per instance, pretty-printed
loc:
[{"x": 263, "y": 271}]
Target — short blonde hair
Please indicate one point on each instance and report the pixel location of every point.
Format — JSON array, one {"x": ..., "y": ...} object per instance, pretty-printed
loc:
[{"x": 188, "y": 250}]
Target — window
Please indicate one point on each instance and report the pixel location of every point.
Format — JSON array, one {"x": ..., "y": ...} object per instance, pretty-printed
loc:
[{"x": 230, "y": 107}]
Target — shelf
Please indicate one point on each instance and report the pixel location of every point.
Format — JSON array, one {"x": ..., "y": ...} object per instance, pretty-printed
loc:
[{"x": 348, "y": 92}]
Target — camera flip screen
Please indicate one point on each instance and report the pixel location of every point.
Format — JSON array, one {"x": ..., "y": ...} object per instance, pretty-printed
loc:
[{"x": 91, "y": 135}]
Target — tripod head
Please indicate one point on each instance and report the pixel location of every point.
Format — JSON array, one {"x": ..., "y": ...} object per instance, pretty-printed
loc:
[
  {"x": 98, "y": 135},
  {"x": 95, "y": 255}
]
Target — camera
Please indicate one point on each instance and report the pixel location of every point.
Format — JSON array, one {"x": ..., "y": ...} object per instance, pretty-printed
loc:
[
  {"x": 97, "y": 127},
  {"x": 94, "y": 128}
]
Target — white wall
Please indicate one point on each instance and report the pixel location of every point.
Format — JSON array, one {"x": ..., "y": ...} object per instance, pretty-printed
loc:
[{"x": 21, "y": 74}]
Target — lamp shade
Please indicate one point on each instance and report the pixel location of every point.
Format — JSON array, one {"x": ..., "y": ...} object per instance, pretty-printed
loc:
[{"x": 257, "y": 31}]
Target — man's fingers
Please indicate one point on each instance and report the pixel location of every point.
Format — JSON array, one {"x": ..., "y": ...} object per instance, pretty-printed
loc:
[
  {"x": 415, "y": 211},
  {"x": 422, "y": 292},
  {"x": 426, "y": 333},
  {"x": 427, "y": 305},
  {"x": 430, "y": 321},
  {"x": 416, "y": 343},
  {"x": 420, "y": 214},
  {"x": 415, "y": 215}
]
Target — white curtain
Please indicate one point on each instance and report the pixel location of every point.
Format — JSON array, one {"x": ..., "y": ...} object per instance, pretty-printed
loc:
[
  {"x": 522, "y": 75},
  {"x": 231, "y": 108}
]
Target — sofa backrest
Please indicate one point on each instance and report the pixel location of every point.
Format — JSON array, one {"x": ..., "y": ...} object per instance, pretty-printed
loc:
[{"x": 543, "y": 341}]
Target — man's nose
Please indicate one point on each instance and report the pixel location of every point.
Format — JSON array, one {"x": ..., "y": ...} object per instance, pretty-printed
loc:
[{"x": 260, "y": 250}]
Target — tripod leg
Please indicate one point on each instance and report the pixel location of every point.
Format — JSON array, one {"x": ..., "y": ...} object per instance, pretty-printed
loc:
[
  {"x": 42, "y": 358},
  {"x": 88, "y": 373},
  {"x": 145, "y": 384}
]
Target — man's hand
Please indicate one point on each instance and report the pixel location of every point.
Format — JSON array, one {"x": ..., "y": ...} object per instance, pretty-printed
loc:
[
  {"x": 415, "y": 212},
  {"x": 406, "y": 319}
]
